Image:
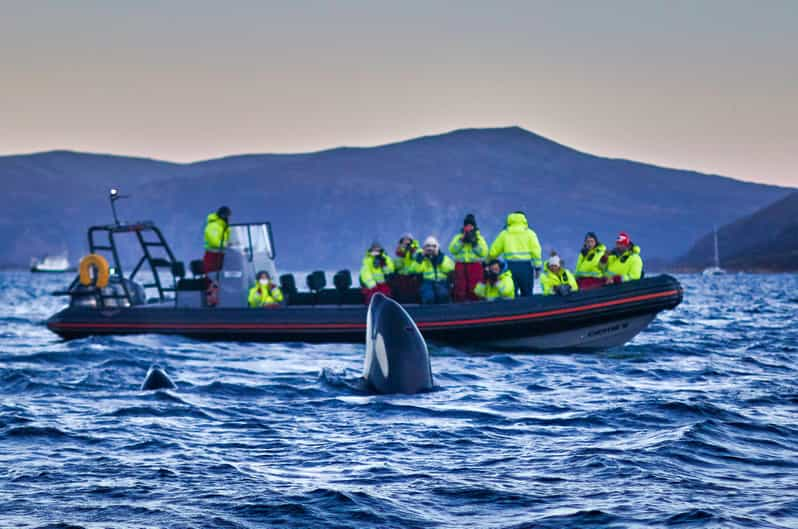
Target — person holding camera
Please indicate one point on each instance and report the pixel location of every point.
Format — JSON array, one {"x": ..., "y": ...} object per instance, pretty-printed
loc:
[
  {"x": 557, "y": 279},
  {"x": 374, "y": 272},
  {"x": 469, "y": 249},
  {"x": 434, "y": 267},
  {"x": 406, "y": 281},
  {"x": 497, "y": 282}
]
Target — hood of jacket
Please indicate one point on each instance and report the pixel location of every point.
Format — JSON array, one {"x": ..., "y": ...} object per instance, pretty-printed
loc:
[{"x": 517, "y": 222}]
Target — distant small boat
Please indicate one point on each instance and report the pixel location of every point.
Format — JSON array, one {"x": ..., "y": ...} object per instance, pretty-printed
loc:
[
  {"x": 715, "y": 270},
  {"x": 50, "y": 264}
]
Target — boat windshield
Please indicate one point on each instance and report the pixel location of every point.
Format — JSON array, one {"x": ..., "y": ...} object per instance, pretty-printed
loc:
[{"x": 251, "y": 239}]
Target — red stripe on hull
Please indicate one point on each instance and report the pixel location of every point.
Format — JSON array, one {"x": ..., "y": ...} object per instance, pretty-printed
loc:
[{"x": 359, "y": 326}]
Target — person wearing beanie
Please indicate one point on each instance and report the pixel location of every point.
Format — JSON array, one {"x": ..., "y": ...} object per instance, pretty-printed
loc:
[
  {"x": 217, "y": 233},
  {"x": 519, "y": 247},
  {"x": 588, "y": 271},
  {"x": 374, "y": 272},
  {"x": 435, "y": 268},
  {"x": 469, "y": 249},
  {"x": 264, "y": 294},
  {"x": 623, "y": 263},
  {"x": 496, "y": 283},
  {"x": 556, "y": 279},
  {"x": 406, "y": 282}
]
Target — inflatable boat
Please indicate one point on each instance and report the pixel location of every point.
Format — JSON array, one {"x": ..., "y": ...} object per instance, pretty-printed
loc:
[{"x": 157, "y": 296}]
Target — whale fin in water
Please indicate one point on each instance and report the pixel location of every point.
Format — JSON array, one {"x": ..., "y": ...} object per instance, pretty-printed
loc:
[
  {"x": 397, "y": 359},
  {"x": 157, "y": 379}
]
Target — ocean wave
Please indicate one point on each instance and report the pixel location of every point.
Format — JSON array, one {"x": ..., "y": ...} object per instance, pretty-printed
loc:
[{"x": 692, "y": 424}]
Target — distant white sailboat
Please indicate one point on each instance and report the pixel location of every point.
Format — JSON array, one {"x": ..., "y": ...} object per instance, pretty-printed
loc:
[
  {"x": 715, "y": 270},
  {"x": 52, "y": 264}
]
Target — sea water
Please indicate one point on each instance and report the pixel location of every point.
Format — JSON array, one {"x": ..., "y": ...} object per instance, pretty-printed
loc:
[{"x": 692, "y": 424}]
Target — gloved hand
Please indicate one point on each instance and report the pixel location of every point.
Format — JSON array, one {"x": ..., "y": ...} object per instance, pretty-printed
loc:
[{"x": 562, "y": 290}]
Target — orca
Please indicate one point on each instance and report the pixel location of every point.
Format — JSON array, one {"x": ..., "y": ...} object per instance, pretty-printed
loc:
[
  {"x": 157, "y": 379},
  {"x": 397, "y": 359}
]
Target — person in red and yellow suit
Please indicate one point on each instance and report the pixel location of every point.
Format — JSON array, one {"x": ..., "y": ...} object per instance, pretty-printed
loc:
[
  {"x": 217, "y": 233},
  {"x": 468, "y": 248},
  {"x": 589, "y": 273}
]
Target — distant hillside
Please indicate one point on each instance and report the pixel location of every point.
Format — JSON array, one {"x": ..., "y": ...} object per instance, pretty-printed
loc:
[
  {"x": 327, "y": 206},
  {"x": 764, "y": 241}
]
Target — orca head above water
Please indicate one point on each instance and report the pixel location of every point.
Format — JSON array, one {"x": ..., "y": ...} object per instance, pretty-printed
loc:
[
  {"x": 397, "y": 359},
  {"x": 157, "y": 379}
]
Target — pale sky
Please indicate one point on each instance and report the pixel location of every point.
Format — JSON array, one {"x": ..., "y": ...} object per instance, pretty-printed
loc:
[{"x": 710, "y": 86}]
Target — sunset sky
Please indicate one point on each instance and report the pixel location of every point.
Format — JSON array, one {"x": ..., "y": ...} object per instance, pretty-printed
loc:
[{"x": 710, "y": 86}]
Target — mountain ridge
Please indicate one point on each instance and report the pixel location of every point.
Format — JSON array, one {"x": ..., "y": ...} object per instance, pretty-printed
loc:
[
  {"x": 765, "y": 241},
  {"x": 327, "y": 205}
]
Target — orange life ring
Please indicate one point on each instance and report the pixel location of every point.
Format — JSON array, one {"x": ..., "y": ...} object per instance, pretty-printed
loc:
[{"x": 100, "y": 264}]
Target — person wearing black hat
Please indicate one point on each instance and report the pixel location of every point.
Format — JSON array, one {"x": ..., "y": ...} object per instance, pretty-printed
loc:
[
  {"x": 468, "y": 248},
  {"x": 217, "y": 233},
  {"x": 588, "y": 271}
]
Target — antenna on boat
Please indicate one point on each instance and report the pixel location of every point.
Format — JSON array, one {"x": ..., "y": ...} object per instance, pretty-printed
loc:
[{"x": 114, "y": 195}]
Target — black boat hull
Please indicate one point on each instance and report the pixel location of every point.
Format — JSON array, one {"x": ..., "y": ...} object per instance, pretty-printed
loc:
[{"x": 594, "y": 319}]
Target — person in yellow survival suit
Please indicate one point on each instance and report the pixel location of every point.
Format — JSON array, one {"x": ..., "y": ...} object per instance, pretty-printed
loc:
[
  {"x": 217, "y": 233},
  {"x": 557, "y": 279},
  {"x": 264, "y": 294},
  {"x": 518, "y": 245},
  {"x": 405, "y": 281},
  {"x": 468, "y": 248},
  {"x": 588, "y": 272},
  {"x": 496, "y": 283},
  {"x": 623, "y": 262},
  {"x": 374, "y": 272}
]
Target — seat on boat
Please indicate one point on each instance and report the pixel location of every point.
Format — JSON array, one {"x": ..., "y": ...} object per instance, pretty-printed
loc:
[
  {"x": 199, "y": 283},
  {"x": 197, "y": 267}
]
